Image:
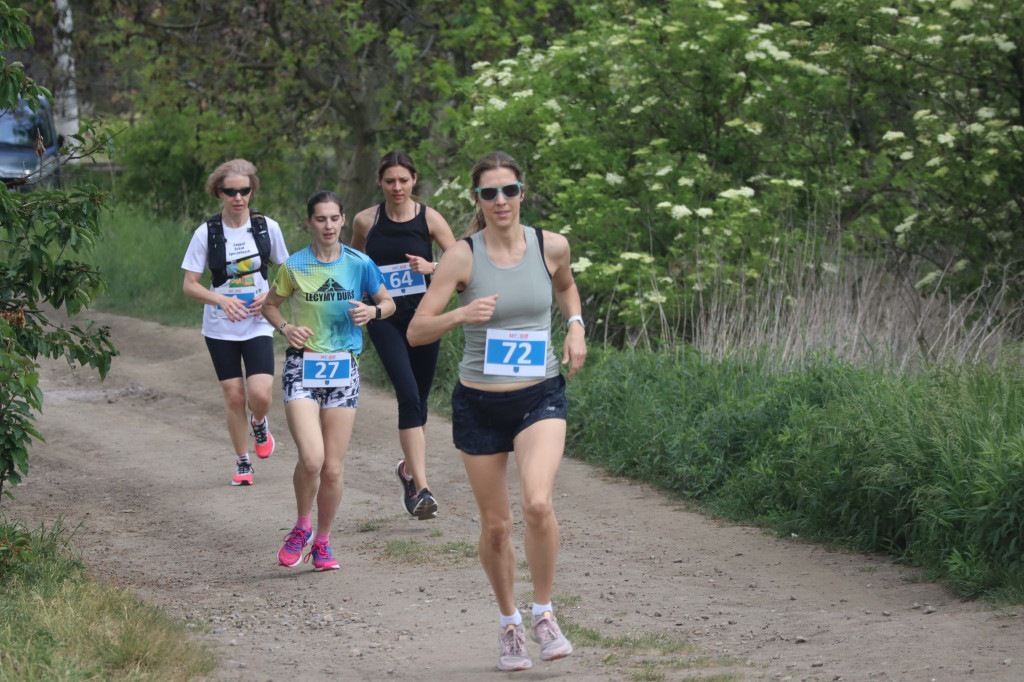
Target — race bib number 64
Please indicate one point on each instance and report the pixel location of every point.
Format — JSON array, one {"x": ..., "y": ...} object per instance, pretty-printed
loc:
[
  {"x": 400, "y": 280},
  {"x": 514, "y": 353},
  {"x": 326, "y": 370}
]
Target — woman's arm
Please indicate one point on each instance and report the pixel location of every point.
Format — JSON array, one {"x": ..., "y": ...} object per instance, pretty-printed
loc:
[
  {"x": 441, "y": 233},
  {"x": 234, "y": 308},
  {"x": 556, "y": 253},
  {"x": 430, "y": 322},
  {"x": 362, "y": 313},
  {"x": 361, "y": 225},
  {"x": 271, "y": 310}
]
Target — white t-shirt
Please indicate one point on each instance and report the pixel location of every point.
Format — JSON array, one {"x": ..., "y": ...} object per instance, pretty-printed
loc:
[{"x": 242, "y": 257}]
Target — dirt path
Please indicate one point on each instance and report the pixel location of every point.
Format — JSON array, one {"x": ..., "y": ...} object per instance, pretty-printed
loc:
[{"x": 142, "y": 462}]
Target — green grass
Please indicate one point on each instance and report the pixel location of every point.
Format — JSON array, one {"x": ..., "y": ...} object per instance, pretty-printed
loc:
[
  {"x": 415, "y": 552},
  {"x": 927, "y": 466},
  {"x": 57, "y": 623}
]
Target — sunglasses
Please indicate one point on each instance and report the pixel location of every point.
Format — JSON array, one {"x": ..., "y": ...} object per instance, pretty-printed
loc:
[
  {"x": 491, "y": 193},
  {"x": 232, "y": 192}
]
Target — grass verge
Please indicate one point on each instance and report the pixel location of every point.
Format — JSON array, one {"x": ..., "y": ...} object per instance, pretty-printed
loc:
[{"x": 57, "y": 623}]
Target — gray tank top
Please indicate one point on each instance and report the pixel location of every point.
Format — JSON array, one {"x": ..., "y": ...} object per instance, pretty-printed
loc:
[{"x": 524, "y": 304}]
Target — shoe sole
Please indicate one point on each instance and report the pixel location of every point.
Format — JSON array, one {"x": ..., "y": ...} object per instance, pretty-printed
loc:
[
  {"x": 552, "y": 657},
  {"x": 242, "y": 483},
  {"x": 425, "y": 511},
  {"x": 289, "y": 565},
  {"x": 327, "y": 568},
  {"x": 512, "y": 669}
]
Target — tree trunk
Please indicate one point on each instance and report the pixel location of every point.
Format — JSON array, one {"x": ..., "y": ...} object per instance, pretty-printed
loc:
[{"x": 64, "y": 91}]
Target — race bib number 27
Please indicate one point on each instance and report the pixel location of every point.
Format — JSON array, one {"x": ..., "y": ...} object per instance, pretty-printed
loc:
[
  {"x": 400, "y": 280},
  {"x": 326, "y": 370},
  {"x": 514, "y": 353}
]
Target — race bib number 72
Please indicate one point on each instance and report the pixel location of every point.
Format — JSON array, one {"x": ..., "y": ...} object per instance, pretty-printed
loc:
[{"x": 515, "y": 353}]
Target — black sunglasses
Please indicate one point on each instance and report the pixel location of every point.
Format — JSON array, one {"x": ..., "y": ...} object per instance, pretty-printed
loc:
[
  {"x": 491, "y": 193},
  {"x": 232, "y": 192}
]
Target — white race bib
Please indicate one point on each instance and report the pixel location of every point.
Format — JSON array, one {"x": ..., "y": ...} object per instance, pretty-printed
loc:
[
  {"x": 400, "y": 280},
  {"x": 243, "y": 294},
  {"x": 513, "y": 353},
  {"x": 326, "y": 370}
]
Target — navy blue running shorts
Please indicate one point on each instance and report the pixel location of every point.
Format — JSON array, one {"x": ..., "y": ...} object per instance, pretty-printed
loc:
[{"x": 485, "y": 422}]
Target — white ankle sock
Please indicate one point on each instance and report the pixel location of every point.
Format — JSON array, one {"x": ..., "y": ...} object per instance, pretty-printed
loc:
[{"x": 515, "y": 619}]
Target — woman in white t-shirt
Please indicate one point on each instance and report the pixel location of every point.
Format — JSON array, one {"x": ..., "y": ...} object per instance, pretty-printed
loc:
[{"x": 235, "y": 246}]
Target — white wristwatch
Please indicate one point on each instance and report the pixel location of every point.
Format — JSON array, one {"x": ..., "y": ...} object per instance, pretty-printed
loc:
[{"x": 576, "y": 318}]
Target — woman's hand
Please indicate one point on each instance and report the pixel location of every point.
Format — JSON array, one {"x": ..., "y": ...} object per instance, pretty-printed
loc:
[
  {"x": 361, "y": 313},
  {"x": 421, "y": 266},
  {"x": 234, "y": 308},
  {"x": 479, "y": 310},
  {"x": 257, "y": 303},
  {"x": 574, "y": 351},
  {"x": 297, "y": 336}
]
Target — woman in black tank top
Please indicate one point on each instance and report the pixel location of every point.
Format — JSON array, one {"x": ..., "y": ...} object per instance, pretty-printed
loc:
[{"x": 397, "y": 235}]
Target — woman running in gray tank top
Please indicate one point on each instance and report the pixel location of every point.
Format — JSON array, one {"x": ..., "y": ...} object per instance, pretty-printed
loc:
[{"x": 511, "y": 394}]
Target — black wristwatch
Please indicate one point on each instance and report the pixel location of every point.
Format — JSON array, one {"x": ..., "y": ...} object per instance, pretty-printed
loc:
[{"x": 377, "y": 316}]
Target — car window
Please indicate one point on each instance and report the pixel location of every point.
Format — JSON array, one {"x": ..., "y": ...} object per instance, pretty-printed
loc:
[{"x": 21, "y": 127}]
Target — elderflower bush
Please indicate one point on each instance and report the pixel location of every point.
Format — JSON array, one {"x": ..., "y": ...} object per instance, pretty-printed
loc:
[{"x": 711, "y": 141}]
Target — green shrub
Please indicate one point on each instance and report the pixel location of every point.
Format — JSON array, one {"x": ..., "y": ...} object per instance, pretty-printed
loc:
[{"x": 928, "y": 467}]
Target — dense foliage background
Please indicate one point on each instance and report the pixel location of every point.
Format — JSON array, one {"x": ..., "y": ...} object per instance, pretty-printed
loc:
[{"x": 796, "y": 225}]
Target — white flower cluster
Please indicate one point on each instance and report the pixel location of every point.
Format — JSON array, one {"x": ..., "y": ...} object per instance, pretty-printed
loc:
[
  {"x": 613, "y": 178},
  {"x": 633, "y": 255},
  {"x": 741, "y": 193},
  {"x": 581, "y": 264}
]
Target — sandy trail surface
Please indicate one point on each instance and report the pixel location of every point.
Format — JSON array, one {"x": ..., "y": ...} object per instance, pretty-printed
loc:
[{"x": 142, "y": 463}]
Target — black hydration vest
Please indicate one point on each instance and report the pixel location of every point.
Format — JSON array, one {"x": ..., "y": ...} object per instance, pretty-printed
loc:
[{"x": 216, "y": 246}]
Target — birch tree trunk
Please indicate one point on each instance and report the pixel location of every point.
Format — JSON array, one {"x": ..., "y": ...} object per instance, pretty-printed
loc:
[{"x": 64, "y": 93}]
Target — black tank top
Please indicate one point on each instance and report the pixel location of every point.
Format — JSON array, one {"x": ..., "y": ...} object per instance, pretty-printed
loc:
[{"x": 388, "y": 242}]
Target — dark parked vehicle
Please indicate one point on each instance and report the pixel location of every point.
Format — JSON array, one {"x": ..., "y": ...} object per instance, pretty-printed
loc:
[{"x": 29, "y": 147}]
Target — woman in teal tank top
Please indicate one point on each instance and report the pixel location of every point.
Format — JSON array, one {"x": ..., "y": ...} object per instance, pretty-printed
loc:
[{"x": 510, "y": 396}]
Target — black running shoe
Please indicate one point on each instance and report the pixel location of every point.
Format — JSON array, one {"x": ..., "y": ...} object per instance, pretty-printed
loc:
[
  {"x": 408, "y": 488},
  {"x": 426, "y": 506}
]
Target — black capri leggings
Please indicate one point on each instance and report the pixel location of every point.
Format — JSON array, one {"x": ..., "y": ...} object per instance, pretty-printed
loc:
[
  {"x": 227, "y": 356},
  {"x": 410, "y": 368}
]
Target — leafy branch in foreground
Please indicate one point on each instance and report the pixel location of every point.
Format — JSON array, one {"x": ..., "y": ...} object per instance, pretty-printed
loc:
[{"x": 42, "y": 235}]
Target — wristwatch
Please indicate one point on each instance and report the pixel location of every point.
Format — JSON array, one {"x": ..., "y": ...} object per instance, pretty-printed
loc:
[
  {"x": 377, "y": 316},
  {"x": 281, "y": 328},
  {"x": 576, "y": 318}
]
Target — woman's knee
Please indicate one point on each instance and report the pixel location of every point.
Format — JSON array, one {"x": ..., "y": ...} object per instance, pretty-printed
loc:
[
  {"x": 538, "y": 510},
  {"x": 234, "y": 398},
  {"x": 496, "y": 533},
  {"x": 332, "y": 473}
]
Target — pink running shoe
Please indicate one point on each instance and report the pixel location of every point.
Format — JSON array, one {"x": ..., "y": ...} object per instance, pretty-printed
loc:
[
  {"x": 512, "y": 649},
  {"x": 322, "y": 559},
  {"x": 291, "y": 554},
  {"x": 546, "y": 632},
  {"x": 264, "y": 445},
  {"x": 243, "y": 474}
]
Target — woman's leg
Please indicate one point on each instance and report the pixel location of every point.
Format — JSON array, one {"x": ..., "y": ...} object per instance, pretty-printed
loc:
[
  {"x": 539, "y": 450},
  {"x": 336, "y": 424},
  {"x": 489, "y": 479},
  {"x": 258, "y": 389},
  {"x": 304, "y": 423},
  {"x": 388, "y": 339},
  {"x": 237, "y": 419}
]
